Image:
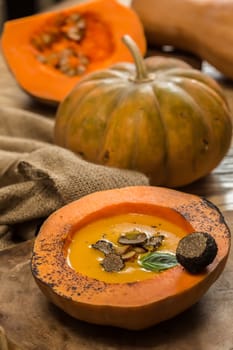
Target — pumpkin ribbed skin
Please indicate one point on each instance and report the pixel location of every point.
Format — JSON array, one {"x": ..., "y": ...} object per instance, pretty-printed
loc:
[{"x": 173, "y": 125}]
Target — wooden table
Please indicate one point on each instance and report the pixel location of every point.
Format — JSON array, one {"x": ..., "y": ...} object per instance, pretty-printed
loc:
[{"x": 33, "y": 323}]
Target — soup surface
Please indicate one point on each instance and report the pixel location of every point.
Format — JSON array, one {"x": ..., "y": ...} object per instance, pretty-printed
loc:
[{"x": 86, "y": 260}]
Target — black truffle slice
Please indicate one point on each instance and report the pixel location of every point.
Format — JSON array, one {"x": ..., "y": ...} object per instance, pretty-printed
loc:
[
  {"x": 154, "y": 242},
  {"x": 103, "y": 246},
  {"x": 196, "y": 251},
  {"x": 112, "y": 263}
]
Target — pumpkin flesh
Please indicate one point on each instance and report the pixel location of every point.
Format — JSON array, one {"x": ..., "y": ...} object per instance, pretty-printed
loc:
[
  {"x": 26, "y": 40},
  {"x": 138, "y": 304}
]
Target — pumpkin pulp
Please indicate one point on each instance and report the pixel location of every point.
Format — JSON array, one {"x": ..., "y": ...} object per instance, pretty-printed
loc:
[
  {"x": 62, "y": 46},
  {"x": 65, "y": 42},
  {"x": 83, "y": 258}
]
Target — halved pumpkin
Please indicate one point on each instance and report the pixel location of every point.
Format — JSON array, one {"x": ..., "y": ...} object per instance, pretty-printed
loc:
[
  {"x": 142, "y": 302},
  {"x": 48, "y": 53}
]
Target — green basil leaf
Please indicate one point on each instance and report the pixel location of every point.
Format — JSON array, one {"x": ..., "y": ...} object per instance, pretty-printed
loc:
[{"x": 158, "y": 261}]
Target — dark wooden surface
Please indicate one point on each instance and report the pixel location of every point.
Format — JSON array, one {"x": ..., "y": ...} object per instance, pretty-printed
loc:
[{"x": 31, "y": 322}]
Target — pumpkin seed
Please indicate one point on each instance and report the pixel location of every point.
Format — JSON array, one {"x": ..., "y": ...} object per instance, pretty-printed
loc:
[
  {"x": 140, "y": 250},
  {"x": 47, "y": 39},
  {"x": 74, "y": 34},
  {"x": 37, "y": 43},
  {"x": 84, "y": 60},
  {"x": 66, "y": 52},
  {"x": 129, "y": 255},
  {"x": 133, "y": 238},
  {"x": 71, "y": 72},
  {"x": 41, "y": 58},
  {"x": 74, "y": 17},
  {"x": 70, "y": 28},
  {"x": 81, "y": 24},
  {"x": 80, "y": 69},
  {"x": 53, "y": 59},
  {"x": 120, "y": 250}
]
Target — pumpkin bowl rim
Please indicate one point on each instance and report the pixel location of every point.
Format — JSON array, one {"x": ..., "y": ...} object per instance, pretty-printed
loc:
[{"x": 112, "y": 294}]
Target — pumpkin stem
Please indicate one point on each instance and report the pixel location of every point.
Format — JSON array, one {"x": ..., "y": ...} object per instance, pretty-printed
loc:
[{"x": 141, "y": 71}]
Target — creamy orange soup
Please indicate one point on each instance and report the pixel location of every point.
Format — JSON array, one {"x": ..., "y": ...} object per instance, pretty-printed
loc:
[{"x": 86, "y": 260}]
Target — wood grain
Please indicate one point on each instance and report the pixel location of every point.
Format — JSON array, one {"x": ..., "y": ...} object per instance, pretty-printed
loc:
[{"x": 33, "y": 323}]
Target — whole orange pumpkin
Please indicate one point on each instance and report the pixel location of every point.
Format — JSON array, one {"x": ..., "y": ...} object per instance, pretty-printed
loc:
[{"x": 158, "y": 116}]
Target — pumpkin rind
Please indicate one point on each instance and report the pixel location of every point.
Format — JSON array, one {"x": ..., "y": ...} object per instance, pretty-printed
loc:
[
  {"x": 174, "y": 126},
  {"x": 134, "y": 305},
  {"x": 48, "y": 84}
]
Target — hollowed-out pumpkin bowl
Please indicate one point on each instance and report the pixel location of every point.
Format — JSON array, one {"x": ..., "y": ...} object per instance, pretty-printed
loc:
[{"x": 133, "y": 304}]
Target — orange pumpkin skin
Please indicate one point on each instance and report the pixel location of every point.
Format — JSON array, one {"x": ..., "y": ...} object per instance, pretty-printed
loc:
[
  {"x": 109, "y": 22},
  {"x": 136, "y": 305},
  {"x": 169, "y": 121}
]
